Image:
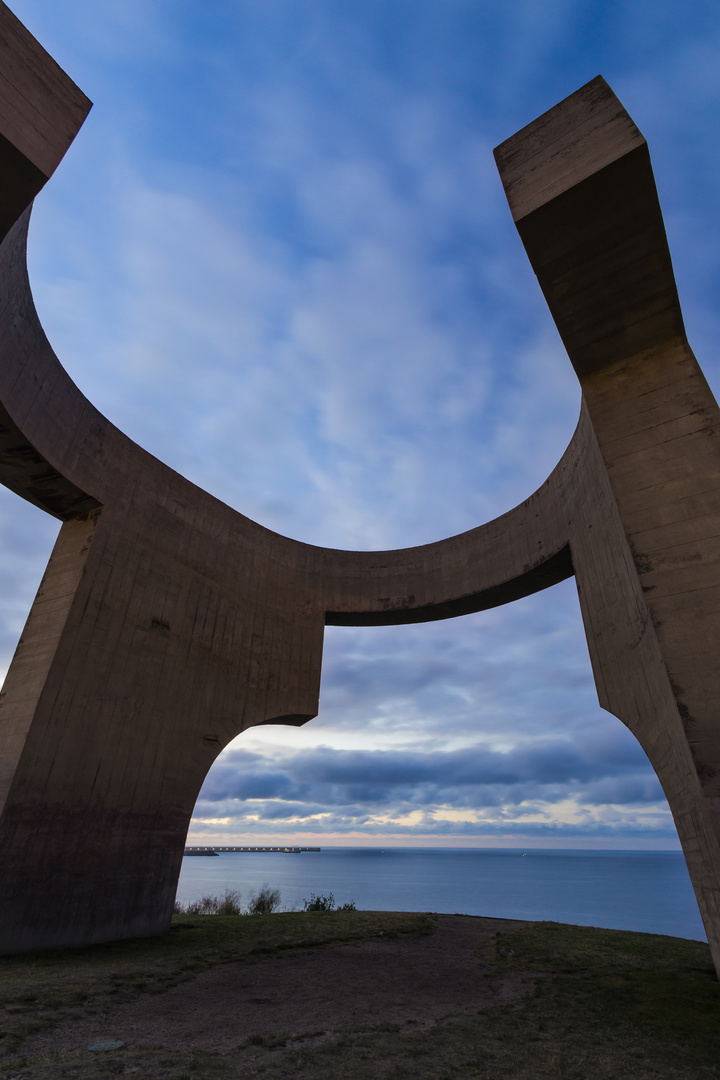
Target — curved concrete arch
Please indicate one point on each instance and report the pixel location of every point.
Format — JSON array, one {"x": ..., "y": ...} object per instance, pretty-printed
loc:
[
  {"x": 166, "y": 622},
  {"x": 60, "y": 453}
]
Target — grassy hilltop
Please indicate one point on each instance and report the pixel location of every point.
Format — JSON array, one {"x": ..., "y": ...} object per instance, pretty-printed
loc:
[{"x": 586, "y": 1004}]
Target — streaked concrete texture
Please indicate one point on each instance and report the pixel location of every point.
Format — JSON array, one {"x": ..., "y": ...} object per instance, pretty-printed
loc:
[{"x": 167, "y": 622}]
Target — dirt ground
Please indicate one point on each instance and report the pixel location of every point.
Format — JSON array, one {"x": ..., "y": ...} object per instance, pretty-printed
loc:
[{"x": 412, "y": 982}]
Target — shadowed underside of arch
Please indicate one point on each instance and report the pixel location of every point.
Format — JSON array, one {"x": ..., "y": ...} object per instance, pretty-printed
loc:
[{"x": 166, "y": 622}]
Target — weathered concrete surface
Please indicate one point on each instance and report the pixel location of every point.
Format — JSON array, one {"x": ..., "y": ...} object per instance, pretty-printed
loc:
[
  {"x": 167, "y": 623},
  {"x": 647, "y": 558}
]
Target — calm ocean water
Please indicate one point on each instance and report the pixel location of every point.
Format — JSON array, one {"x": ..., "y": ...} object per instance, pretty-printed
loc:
[{"x": 622, "y": 890}]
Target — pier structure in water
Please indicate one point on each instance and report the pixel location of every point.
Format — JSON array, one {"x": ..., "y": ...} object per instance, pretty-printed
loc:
[{"x": 216, "y": 850}]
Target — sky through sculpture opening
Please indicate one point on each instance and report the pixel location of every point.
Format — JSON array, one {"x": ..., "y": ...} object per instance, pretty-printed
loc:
[
  {"x": 383, "y": 402},
  {"x": 167, "y": 622}
]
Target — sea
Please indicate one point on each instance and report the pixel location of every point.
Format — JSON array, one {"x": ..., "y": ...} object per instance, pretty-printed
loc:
[{"x": 648, "y": 891}]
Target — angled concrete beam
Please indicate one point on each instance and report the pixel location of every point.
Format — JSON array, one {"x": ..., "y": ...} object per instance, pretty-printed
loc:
[
  {"x": 167, "y": 623},
  {"x": 580, "y": 186}
]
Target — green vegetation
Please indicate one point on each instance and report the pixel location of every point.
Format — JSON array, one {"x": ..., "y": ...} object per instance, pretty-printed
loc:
[
  {"x": 229, "y": 904},
  {"x": 586, "y": 1004},
  {"x": 609, "y": 1003},
  {"x": 326, "y": 903},
  {"x": 265, "y": 902}
]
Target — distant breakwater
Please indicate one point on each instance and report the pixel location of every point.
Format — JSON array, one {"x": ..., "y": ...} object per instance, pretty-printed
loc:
[{"x": 217, "y": 850}]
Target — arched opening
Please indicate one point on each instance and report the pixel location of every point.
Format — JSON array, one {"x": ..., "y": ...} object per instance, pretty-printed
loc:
[{"x": 443, "y": 755}]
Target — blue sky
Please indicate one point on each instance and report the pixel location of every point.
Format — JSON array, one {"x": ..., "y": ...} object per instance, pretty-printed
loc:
[{"x": 279, "y": 257}]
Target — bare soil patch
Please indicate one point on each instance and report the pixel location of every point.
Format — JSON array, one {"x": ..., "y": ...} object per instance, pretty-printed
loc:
[{"x": 410, "y": 983}]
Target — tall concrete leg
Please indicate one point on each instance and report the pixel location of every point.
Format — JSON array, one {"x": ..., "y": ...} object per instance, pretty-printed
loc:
[
  {"x": 647, "y": 555},
  {"x": 632, "y": 678},
  {"x": 123, "y": 690}
]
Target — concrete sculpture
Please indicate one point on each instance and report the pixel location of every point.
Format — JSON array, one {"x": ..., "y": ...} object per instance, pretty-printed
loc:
[{"x": 167, "y": 622}]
